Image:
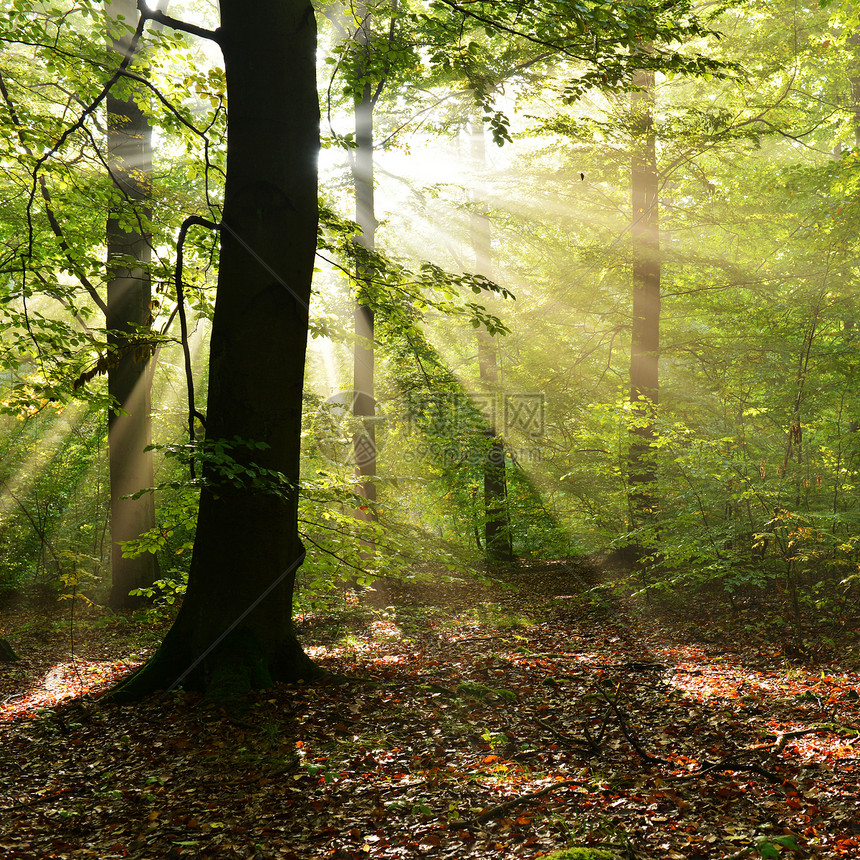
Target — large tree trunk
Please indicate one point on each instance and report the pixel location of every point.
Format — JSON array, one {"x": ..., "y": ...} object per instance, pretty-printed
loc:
[
  {"x": 645, "y": 344},
  {"x": 234, "y": 629},
  {"x": 497, "y": 533},
  {"x": 128, "y": 311}
]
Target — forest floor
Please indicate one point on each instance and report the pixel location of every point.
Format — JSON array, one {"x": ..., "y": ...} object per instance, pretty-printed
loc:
[{"x": 475, "y": 721}]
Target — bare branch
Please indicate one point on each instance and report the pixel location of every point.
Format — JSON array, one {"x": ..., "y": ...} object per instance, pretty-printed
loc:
[
  {"x": 193, "y": 414},
  {"x": 175, "y": 24}
]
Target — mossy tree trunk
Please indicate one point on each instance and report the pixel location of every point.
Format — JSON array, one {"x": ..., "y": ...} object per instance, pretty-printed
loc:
[{"x": 234, "y": 629}]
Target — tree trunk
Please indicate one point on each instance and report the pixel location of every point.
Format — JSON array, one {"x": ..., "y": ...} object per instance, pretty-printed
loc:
[
  {"x": 128, "y": 312},
  {"x": 497, "y": 533},
  {"x": 645, "y": 342},
  {"x": 364, "y": 405},
  {"x": 854, "y": 84},
  {"x": 234, "y": 630}
]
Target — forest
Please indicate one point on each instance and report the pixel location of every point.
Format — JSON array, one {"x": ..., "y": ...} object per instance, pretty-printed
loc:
[{"x": 430, "y": 428}]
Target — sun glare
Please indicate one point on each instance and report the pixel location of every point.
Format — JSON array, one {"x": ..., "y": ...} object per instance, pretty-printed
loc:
[{"x": 41, "y": 456}]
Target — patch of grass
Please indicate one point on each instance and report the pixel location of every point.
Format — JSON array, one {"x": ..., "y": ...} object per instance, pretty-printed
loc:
[{"x": 496, "y": 615}]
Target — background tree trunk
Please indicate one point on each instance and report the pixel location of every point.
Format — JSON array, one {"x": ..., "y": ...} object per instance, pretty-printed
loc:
[
  {"x": 364, "y": 405},
  {"x": 497, "y": 532},
  {"x": 234, "y": 630},
  {"x": 128, "y": 310},
  {"x": 645, "y": 341},
  {"x": 854, "y": 84}
]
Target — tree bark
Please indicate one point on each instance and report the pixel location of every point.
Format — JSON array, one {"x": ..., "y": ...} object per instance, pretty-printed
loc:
[
  {"x": 645, "y": 341},
  {"x": 234, "y": 630},
  {"x": 497, "y": 532},
  {"x": 854, "y": 84},
  {"x": 364, "y": 404},
  {"x": 128, "y": 312}
]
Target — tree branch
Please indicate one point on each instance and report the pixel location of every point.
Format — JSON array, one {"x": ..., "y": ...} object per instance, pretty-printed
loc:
[
  {"x": 468, "y": 13},
  {"x": 183, "y": 322},
  {"x": 159, "y": 17},
  {"x": 56, "y": 228},
  {"x": 79, "y": 123}
]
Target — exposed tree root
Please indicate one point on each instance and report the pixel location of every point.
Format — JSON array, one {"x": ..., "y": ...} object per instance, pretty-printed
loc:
[{"x": 236, "y": 666}]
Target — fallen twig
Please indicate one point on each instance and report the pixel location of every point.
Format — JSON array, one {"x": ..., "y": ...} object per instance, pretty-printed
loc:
[
  {"x": 707, "y": 767},
  {"x": 646, "y": 757},
  {"x": 782, "y": 738},
  {"x": 494, "y": 811},
  {"x": 589, "y": 746},
  {"x": 728, "y": 764}
]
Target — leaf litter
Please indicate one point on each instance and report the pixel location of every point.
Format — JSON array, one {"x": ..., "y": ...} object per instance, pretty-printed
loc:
[{"x": 461, "y": 720}]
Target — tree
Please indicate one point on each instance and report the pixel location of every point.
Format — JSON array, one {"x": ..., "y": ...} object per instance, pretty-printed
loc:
[
  {"x": 234, "y": 629},
  {"x": 645, "y": 334},
  {"x": 364, "y": 407},
  {"x": 128, "y": 315},
  {"x": 497, "y": 532}
]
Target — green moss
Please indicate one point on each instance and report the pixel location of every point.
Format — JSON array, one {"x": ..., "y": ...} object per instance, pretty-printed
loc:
[
  {"x": 479, "y": 691},
  {"x": 581, "y": 854},
  {"x": 238, "y": 666}
]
